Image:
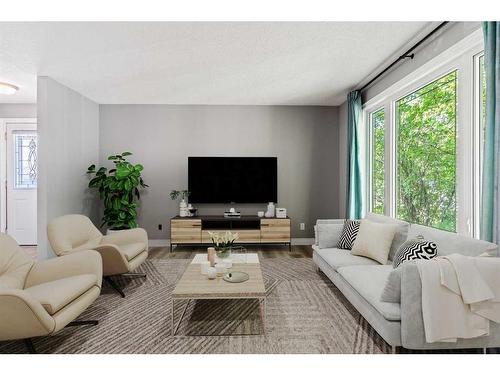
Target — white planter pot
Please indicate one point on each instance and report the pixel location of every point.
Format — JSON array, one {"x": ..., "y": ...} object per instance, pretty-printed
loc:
[
  {"x": 111, "y": 231},
  {"x": 183, "y": 210}
]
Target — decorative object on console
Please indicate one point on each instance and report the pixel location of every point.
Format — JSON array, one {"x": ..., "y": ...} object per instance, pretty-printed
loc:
[
  {"x": 119, "y": 189},
  {"x": 415, "y": 249},
  {"x": 223, "y": 242},
  {"x": 232, "y": 213},
  {"x": 374, "y": 240},
  {"x": 260, "y": 213},
  {"x": 211, "y": 273},
  {"x": 270, "y": 210},
  {"x": 211, "y": 256},
  {"x": 348, "y": 235},
  {"x": 192, "y": 210},
  {"x": 281, "y": 213},
  {"x": 183, "y": 206}
]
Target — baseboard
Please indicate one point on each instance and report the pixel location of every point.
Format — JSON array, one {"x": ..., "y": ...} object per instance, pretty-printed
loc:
[
  {"x": 302, "y": 241},
  {"x": 158, "y": 243},
  {"x": 295, "y": 241}
]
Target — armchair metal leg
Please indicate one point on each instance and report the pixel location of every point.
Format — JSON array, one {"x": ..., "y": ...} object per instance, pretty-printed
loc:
[
  {"x": 83, "y": 323},
  {"x": 30, "y": 346},
  {"x": 114, "y": 285}
]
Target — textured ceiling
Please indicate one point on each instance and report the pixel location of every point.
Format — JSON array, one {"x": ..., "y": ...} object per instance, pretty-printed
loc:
[{"x": 268, "y": 63}]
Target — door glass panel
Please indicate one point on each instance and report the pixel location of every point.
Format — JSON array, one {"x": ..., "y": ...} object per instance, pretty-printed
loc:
[
  {"x": 25, "y": 160},
  {"x": 426, "y": 154}
]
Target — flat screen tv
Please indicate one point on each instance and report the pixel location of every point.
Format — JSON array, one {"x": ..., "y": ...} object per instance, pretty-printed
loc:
[{"x": 233, "y": 179}]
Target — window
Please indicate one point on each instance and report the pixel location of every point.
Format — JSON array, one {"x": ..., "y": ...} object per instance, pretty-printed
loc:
[
  {"x": 377, "y": 126},
  {"x": 25, "y": 145},
  {"x": 425, "y": 142},
  {"x": 426, "y": 154}
]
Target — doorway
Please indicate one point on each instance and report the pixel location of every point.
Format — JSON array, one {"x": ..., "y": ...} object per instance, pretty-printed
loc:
[{"x": 19, "y": 176}]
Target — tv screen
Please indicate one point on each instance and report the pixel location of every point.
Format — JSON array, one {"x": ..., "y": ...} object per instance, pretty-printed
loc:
[{"x": 233, "y": 179}]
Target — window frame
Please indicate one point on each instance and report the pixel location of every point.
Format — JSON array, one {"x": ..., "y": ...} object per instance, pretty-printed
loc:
[{"x": 462, "y": 58}]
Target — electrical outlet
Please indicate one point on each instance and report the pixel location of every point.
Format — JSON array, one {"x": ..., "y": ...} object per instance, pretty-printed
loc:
[
  {"x": 160, "y": 227},
  {"x": 302, "y": 226}
]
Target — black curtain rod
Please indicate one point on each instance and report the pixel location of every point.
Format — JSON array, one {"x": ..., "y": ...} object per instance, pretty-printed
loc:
[{"x": 406, "y": 55}]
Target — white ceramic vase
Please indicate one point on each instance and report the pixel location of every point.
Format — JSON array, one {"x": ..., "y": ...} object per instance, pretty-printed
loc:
[{"x": 183, "y": 208}]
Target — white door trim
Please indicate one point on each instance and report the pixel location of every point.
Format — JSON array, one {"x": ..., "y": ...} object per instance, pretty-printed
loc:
[{"x": 3, "y": 164}]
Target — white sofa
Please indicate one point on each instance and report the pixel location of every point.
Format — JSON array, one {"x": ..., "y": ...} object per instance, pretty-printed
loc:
[{"x": 362, "y": 281}]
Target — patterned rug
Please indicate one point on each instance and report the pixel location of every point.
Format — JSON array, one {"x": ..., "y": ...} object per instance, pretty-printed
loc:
[{"x": 305, "y": 313}]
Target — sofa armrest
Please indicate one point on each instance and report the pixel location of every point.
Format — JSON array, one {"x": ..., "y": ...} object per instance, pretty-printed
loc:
[
  {"x": 127, "y": 236},
  {"x": 22, "y": 316},
  {"x": 412, "y": 323},
  {"x": 73, "y": 264}
]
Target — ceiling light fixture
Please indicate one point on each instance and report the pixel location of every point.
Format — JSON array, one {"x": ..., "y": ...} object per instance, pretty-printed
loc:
[{"x": 7, "y": 88}]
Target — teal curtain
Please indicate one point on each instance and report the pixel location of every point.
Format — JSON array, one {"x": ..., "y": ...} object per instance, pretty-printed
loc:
[
  {"x": 491, "y": 176},
  {"x": 354, "y": 208}
]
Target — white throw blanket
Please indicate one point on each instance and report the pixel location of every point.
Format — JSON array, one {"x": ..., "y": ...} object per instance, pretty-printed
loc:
[{"x": 460, "y": 295}]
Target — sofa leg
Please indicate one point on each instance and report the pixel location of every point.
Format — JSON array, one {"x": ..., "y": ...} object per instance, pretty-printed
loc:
[
  {"x": 485, "y": 350},
  {"x": 30, "y": 346},
  {"x": 83, "y": 323},
  {"x": 394, "y": 349},
  {"x": 114, "y": 286}
]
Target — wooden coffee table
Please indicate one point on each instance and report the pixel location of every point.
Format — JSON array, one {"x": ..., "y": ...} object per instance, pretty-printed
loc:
[{"x": 195, "y": 286}]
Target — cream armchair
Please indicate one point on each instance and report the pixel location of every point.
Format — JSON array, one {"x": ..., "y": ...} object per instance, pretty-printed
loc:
[
  {"x": 38, "y": 299},
  {"x": 122, "y": 252}
]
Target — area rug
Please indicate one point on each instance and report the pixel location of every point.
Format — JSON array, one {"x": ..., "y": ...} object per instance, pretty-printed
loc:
[{"x": 305, "y": 313}]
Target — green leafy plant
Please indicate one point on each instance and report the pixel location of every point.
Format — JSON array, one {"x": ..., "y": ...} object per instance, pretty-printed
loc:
[
  {"x": 119, "y": 189},
  {"x": 174, "y": 194}
]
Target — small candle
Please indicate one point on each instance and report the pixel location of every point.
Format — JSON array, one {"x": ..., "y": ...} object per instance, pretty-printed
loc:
[
  {"x": 211, "y": 256},
  {"x": 220, "y": 268},
  {"x": 228, "y": 263},
  {"x": 204, "y": 266},
  {"x": 211, "y": 273}
]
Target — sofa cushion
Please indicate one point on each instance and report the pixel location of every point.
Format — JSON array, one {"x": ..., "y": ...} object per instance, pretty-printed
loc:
[
  {"x": 328, "y": 234},
  {"x": 14, "y": 264},
  {"x": 337, "y": 258},
  {"x": 415, "y": 249},
  {"x": 401, "y": 233},
  {"x": 374, "y": 240},
  {"x": 131, "y": 250},
  {"x": 54, "y": 295},
  {"x": 449, "y": 243},
  {"x": 369, "y": 282},
  {"x": 392, "y": 288},
  {"x": 349, "y": 233}
]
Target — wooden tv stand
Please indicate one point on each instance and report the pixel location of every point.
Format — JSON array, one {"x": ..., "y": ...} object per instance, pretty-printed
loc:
[{"x": 251, "y": 230}]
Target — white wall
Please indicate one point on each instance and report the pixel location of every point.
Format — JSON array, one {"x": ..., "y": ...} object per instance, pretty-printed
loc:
[
  {"x": 68, "y": 130},
  {"x": 20, "y": 110},
  {"x": 161, "y": 137}
]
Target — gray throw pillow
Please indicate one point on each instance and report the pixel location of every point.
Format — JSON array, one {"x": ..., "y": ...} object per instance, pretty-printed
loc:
[
  {"x": 392, "y": 289},
  {"x": 328, "y": 235}
]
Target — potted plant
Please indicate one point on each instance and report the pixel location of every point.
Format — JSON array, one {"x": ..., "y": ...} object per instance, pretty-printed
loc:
[
  {"x": 183, "y": 207},
  {"x": 120, "y": 190},
  {"x": 223, "y": 242}
]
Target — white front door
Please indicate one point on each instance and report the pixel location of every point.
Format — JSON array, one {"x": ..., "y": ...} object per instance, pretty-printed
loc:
[{"x": 21, "y": 139}]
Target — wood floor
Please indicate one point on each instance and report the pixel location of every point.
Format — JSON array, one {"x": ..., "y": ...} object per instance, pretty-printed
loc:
[{"x": 264, "y": 251}]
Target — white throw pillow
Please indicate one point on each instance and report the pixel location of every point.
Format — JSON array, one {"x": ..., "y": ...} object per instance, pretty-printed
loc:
[{"x": 374, "y": 240}]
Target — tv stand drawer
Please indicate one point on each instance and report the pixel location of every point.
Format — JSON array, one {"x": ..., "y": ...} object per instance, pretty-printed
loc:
[
  {"x": 275, "y": 230},
  {"x": 185, "y": 231}
]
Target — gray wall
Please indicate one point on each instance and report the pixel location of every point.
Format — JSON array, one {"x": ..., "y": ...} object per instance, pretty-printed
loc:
[
  {"x": 17, "y": 110},
  {"x": 68, "y": 130},
  {"x": 450, "y": 35},
  {"x": 305, "y": 140}
]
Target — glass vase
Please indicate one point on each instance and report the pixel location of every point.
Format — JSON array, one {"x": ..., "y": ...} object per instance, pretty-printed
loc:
[{"x": 223, "y": 252}]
